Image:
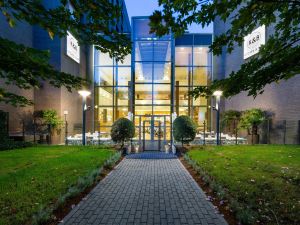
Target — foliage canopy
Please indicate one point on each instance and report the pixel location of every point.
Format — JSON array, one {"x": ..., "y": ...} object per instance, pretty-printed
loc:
[
  {"x": 250, "y": 120},
  {"x": 88, "y": 20},
  {"x": 184, "y": 129},
  {"x": 277, "y": 60},
  {"x": 122, "y": 130}
]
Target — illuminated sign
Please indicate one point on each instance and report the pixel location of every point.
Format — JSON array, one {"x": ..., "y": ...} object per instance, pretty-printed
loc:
[
  {"x": 73, "y": 48},
  {"x": 253, "y": 41}
]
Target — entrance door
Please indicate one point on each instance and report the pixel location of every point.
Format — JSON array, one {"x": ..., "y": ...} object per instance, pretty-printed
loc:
[{"x": 152, "y": 135}]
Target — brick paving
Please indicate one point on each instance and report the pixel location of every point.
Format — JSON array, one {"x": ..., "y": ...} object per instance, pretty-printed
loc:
[{"x": 146, "y": 188}]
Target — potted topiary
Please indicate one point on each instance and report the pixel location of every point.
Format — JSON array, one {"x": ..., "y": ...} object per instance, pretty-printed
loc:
[
  {"x": 250, "y": 120},
  {"x": 184, "y": 129},
  {"x": 122, "y": 130}
]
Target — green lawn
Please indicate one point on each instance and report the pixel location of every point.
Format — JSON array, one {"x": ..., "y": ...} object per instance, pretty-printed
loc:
[
  {"x": 263, "y": 179},
  {"x": 35, "y": 177}
]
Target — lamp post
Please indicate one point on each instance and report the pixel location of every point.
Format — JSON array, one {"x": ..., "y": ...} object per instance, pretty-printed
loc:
[
  {"x": 66, "y": 127},
  {"x": 84, "y": 94},
  {"x": 218, "y": 95}
]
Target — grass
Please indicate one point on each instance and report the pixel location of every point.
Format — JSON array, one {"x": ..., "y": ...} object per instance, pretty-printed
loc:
[
  {"x": 36, "y": 177},
  {"x": 262, "y": 182}
]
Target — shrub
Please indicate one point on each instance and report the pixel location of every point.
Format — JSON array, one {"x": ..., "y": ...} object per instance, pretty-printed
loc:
[
  {"x": 184, "y": 129},
  {"x": 250, "y": 120},
  {"x": 122, "y": 130},
  {"x": 3, "y": 125},
  {"x": 8, "y": 144}
]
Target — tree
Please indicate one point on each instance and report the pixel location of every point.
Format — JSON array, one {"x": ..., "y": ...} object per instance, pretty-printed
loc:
[
  {"x": 91, "y": 22},
  {"x": 229, "y": 118},
  {"x": 122, "y": 130},
  {"x": 184, "y": 129},
  {"x": 250, "y": 120},
  {"x": 277, "y": 60},
  {"x": 52, "y": 120}
]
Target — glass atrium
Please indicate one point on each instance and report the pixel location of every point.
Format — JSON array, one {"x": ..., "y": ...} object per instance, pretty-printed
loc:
[{"x": 153, "y": 82}]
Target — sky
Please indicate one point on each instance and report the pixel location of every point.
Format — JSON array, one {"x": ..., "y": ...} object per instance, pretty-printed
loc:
[{"x": 146, "y": 8}]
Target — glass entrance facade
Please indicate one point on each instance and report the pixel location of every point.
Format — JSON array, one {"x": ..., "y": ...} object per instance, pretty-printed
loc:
[{"x": 153, "y": 82}]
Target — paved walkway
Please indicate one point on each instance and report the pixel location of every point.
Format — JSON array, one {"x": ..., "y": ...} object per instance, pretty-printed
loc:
[{"x": 146, "y": 188}]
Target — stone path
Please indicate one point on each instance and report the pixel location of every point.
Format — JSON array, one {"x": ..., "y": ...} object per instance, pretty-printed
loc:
[{"x": 146, "y": 188}]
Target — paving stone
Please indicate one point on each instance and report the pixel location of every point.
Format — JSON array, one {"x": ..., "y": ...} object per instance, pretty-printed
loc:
[{"x": 146, "y": 188}]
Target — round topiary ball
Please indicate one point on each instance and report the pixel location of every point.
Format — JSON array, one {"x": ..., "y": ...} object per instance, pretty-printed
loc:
[
  {"x": 184, "y": 129},
  {"x": 122, "y": 130}
]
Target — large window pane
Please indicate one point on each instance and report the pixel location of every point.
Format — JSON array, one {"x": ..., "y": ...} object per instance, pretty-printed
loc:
[
  {"x": 105, "y": 96},
  {"x": 162, "y": 51},
  {"x": 121, "y": 112},
  {"x": 122, "y": 96},
  {"x": 143, "y": 110},
  {"x": 162, "y": 73},
  {"x": 161, "y": 110},
  {"x": 201, "y": 56},
  {"x": 141, "y": 29},
  {"x": 143, "y": 72},
  {"x": 143, "y": 94},
  {"x": 124, "y": 76},
  {"x": 199, "y": 115},
  {"x": 161, "y": 94},
  {"x": 104, "y": 133},
  {"x": 183, "y": 76},
  {"x": 102, "y": 59},
  {"x": 104, "y": 76},
  {"x": 182, "y": 96},
  {"x": 126, "y": 61},
  {"x": 183, "y": 111},
  {"x": 200, "y": 101},
  {"x": 183, "y": 56},
  {"x": 106, "y": 116},
  {"x": 201, "y": 75},
  {"x": 144, "y": 51}
]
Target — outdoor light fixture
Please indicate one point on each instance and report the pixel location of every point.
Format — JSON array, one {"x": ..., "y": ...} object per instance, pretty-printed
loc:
[
  {"x": 84, "y": 94},
  {"x": 218, "y": 95}
]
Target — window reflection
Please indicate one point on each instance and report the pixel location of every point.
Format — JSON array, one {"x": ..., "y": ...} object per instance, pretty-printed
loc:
[
  {"x": 122, "y": 96},
  {"x": 200, "y": 76},
  {"x": 200, "y": 101},
  {"x": 199, "y": 115},
  {"x": 126, "y": 61},
  {"x": 103, "y": 59},
  {"x": 124, "y": 76},
  {"x": 105, "y": 116},
  {"x": 162, "y": 94},
  {"x": 183, "y": 56},
  {"x": 121, "y": 112},
  {"x": 105, "y": 96},
  {"x": 143, "y": 110},
  {"x": 182, "y": 96},
  {"x": 162, "y": 72},
  {"x": 162, "y": 51},
  {"x": 182, "y": 75},
  {"x": 143, "y": 94},
  {"x": 104, "y": 76},
  {"x": 143, "y": 72},
  {"x": 201, "y": 56},
  {"x": 144, "y": 51}
]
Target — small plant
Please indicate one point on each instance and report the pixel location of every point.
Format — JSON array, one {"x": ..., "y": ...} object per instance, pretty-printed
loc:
[
  {"x": 122, "y": 130},
  {"x": 184, "y": 129},
  {"x": 52, "y": 120},
  {"x": 250, "y": 120},
  {"x": 230, "y": 119}
]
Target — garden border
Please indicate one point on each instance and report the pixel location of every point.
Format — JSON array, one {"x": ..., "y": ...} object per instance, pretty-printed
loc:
[{"x": 53, "y": 214}]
